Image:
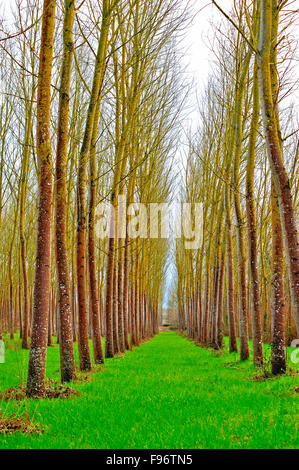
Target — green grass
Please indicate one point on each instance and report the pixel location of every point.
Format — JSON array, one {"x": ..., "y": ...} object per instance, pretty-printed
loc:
[{"x": 168, "y": 393}]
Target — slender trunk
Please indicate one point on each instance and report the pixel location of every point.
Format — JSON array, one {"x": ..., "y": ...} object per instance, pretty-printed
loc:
[
  {"x": 136, "y": 305},
  {"x": 257, "y": 334},
  {"x": 20, "y": 303},
  {"x": 220, "y": 304},
  {"x": 109, "y": 346},
  {"x": 278, "y": 300},
  {"x": 120, "y": 297},
  {"x": 125, "y": 292},
  {"x": 42, "y": 283},
  {"x": 214, "y": 305},
  {"x": 99, "y": 71},
  {"x": 25, "y": 292},
  {"x": 230, "y": 288},
  {"x": 268, "y": 41},
  {"x": 243, "y": 312},
  {"x": 74, "y": 300},
  {"x": 67, "y": 361},
  {"x": 132, "y": 302},
  {"x": 93, "y": 285},
  {"x": 24, "y": 178},
  {"x": 114, "y": 297},
  {"x": 50, "y": 320},
  {"x": 206, "y": 308}
]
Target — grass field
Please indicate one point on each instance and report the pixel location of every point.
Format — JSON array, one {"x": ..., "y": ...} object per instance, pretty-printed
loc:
[{"x": 168, "y": 393}]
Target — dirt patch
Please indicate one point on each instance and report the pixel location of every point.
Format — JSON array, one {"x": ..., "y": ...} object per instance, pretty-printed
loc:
[
  {"x": 13, "y": 422},
  {"x": 217, "y": 352},
  {"x": 232, "y": 365},
  {"x": 52, "y": 390},
  {"x": 266, "y": 375},
  {"x": 262, "y": 377}
]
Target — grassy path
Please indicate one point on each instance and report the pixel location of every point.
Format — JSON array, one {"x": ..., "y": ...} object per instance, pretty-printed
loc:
[{"x": 168, "y": 393}]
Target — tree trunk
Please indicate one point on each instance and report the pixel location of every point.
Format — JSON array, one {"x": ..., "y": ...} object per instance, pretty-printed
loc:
[
  {"x": 230, "y": 285},
  {"x": 220, "y": 304},
  {"x": 99, "y": 71},
  {"x": 93, "y": 285},
  {"x": 257, "y": 335},
  {"x": 268, "y": 41},
  {"x": 125, "y": 292},
  {"x": 42, "y": 283},
  {"x": 109, "y": 346},
  {"x": 278, "y": 300},
  {"x": 67, "y": 361}
]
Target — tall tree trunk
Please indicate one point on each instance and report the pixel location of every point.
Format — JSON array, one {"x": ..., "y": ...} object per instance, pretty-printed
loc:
[
  {"x": 51, "y": 302},
  {"x": 230, "y": 281},
  {"x": 268, "y": 44},
  {"x": 126, "y": 291},
  {"x": 93, "y": 285},
  {"x": 257, "y": 334},
  {"x": 42, "y": 283},
  {"x": 109, "y": 346},
  {"x": 99, "y": 71},
  {"x": 74, "y": 300},
  {"x": 243, "y": 311},
  {"x": 206, "y": 307},
  {"x": 278, "y": 300},
  {"x": 67, "y": 361},
  {"x": 24, "y": 179},
  {"x": 220, "y": 303},
  {"x": 115, "y": 292}
]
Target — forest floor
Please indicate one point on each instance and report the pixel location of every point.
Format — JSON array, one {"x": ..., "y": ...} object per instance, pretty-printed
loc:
[{"x": 168, "y": 393}]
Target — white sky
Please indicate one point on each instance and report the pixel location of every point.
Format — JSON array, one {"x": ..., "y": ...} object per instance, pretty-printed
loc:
[
  {"x": 200, "y": 28},
  {"x": 198, "y": 55},
  {"x": 199, "y": 58}
]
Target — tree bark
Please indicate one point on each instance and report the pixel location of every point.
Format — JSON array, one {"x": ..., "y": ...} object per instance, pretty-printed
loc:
[
  {"x": 93, "y": 285},
  {"x": 67, "y": 361},
  {"x": 278, "y": 359},
  {"x": 42, "y": 283},
  {"x": 81, "y": 187},
  {"x": 268, "y": 41},
  {"x": 257, "y": 334},
  {"x": 220, "y": 304},
  {"x": 230, "y": 283}
]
